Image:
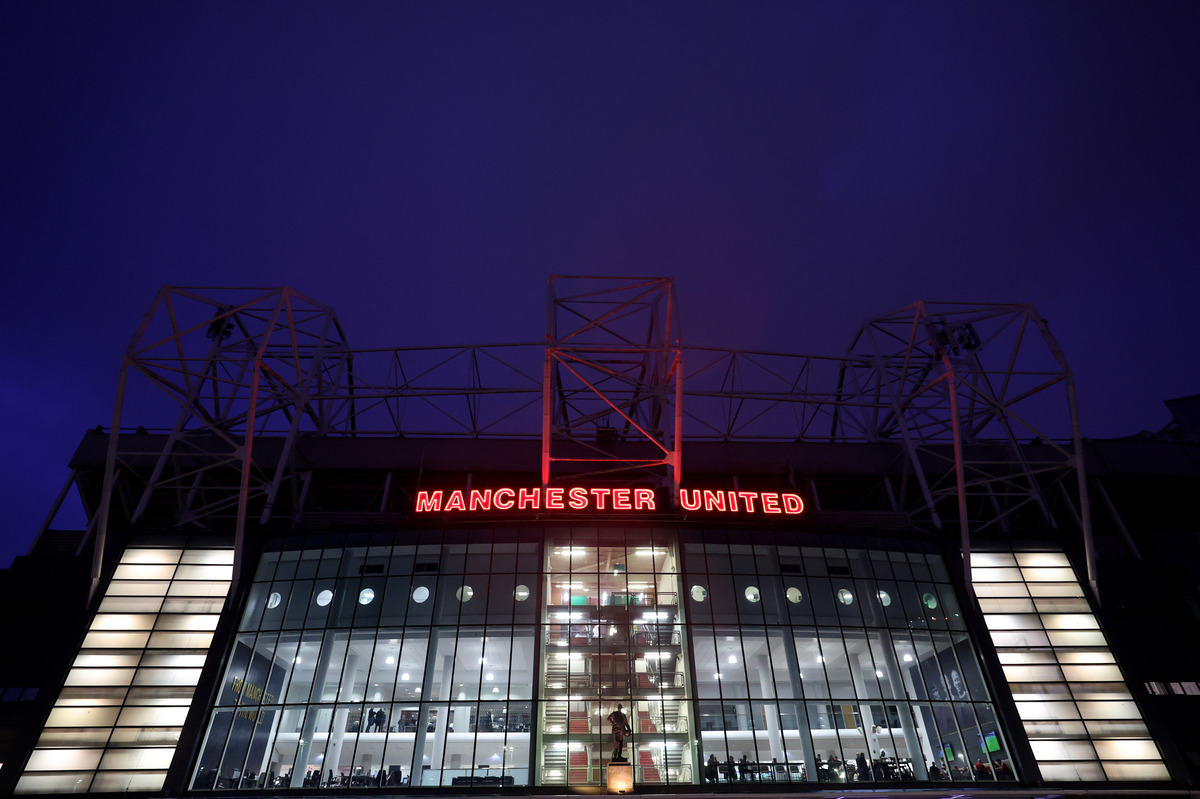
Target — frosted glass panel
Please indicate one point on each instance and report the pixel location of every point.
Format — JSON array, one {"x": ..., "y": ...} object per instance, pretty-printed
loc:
[
  {"x": 1084, "y": 696},
  {"x": 122, "y": 759},
  {"x": 1136, "y": 771},
  {"x": 1072, "y": 772},
  {"x": 53, "y": 783},
  {"x": 1127, "y": 750},
  {"x": 128, "y": 781},
  {"x": 112, "y": 738},
  {"x": 63, "y": 759}
]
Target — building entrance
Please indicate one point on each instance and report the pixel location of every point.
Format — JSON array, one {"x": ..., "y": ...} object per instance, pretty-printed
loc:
[{"x": 612, "y": 634}]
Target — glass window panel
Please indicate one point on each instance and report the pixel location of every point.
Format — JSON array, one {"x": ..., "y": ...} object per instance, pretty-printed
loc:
[
  {"x": 1000, "y": 589},
  {"x": 1048, "y": 710},
  {"x": 1055, "y": 589},
  {"x": 1007, "y": 605},
  {"x": 1032, "y": 674},
  {"x": 1069, "y": 638},
  {"x": 199, "y": 572},
  {"x": 1062, "y": 605},
  {"x": 1063, "y": 750},
  {"x": 1109, "y": 710},
  {"x": 208, "y": 556},
  {"x": 1037, "y": 691},
  {"x": 138, "y": 588},
  {"x": 167, "y": 677},
  {"x": 1097, "y": 673},
  {"x": 79, "y": 677},
  {"x": 1084, "y": 771},
  {"x": 199, "y": 588},
  {"x": 70, "y": 697},
  {"x": 74, "y": 782},
  {"x": 144, "y": 571},
  {"x": 1053, "y": 728},
  {"x": 82, "y": 717},
  {"x": 1136, "y": 771},
  {"x": 1048, "y": 575},
  {"x": 1029, "y": 638},
  {"x": 990, "y": 559},
  {"x": 1069, "y": 621},
  {"x": 130, "y": 604},
  {"x": 1117, "y": 728},
  {"x": 139, "y": 555},
  {"x": 152, "y": 716},
  {"x": 115, "y": 640},
  {"x": 165, "y": 640},
  {"x": 106, "y": 659},
  {"x": 1127, "y": 750},
  {"x": 139, "y": 758},
  {"x": 1042, "y": 559},
  {"x": 92, "y": 737},
  {"x": 192, "y": 605},
  {"x": 1012, "y": 621},
  {"x": 187, "y": 621},
  {"x": 64, "y": 759},
  {"x": 995, "y": 575},
  {"x": 128, "y": 781}
]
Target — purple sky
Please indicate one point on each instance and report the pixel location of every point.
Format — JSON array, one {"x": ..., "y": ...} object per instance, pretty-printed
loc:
[{"x": 796, "y": 166}]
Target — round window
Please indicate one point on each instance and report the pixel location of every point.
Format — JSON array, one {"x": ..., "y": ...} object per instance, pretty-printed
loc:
[
  {"x": 325, "y": 597},
  {"x": 794, "y": 596},
  {"x": 274, "y": 599},
  {"x": 420, "y": 593},
  {"x": 365, "y": 596},
  {"x": 465, "y": 593},
  {"x": 884, "y": 598},
  {"x": 929, "y": 600},
  {"x": 845, "y": 597},
  {"x": 752, "y": 594},
  {"x": 699, "y": 593},
  {"x": 522, "y": 593}
]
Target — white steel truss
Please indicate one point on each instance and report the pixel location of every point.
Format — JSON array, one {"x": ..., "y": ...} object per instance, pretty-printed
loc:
[{"x": 977, "y": 397}]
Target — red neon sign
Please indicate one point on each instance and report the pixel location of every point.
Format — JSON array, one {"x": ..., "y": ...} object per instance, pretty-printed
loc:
[{"x": 607, "y": 499}]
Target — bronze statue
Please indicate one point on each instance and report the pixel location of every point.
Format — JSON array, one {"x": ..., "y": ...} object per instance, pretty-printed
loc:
[{"x": 620, "y": 728}]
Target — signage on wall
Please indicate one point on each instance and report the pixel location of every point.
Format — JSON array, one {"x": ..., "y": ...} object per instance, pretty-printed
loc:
[{"x": 614, "y": 500}]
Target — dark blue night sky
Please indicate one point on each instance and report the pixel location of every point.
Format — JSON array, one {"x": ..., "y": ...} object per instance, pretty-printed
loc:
[{"x": 797, "y": 167}]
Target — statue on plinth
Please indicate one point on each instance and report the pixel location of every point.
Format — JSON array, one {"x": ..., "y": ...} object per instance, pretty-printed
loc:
[{"x": 620, "y": 728}]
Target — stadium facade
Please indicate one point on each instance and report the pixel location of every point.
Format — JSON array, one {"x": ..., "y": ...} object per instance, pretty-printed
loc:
[{"x": 315, "y": 568}]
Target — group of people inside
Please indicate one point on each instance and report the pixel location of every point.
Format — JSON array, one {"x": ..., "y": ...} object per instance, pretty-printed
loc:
[{"x": 882, "y": 768}]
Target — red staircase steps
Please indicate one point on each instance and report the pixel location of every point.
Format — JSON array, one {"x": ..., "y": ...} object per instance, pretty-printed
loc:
[
  {"x": 578, "y": 722},
  {"x": 650, "y": 772},
  {"x": 577, "y": 767}
]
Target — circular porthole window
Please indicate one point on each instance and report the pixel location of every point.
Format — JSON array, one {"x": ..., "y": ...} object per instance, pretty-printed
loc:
[
  {"x": 325, "y": 597},
  {"x": 752, "y": 594},
  {"x": 884, "y": 598},
  {"x": 794, "y": 596},
  {"x": 365, "y": 596},
  {"x": 274, "y": 599},
  {"x": 699, "y": 593},
  {"x": 420, "y": 593},
  {"x": 845, "y": 597},
  {"x": 522, "y": 593},
  {"x": 929, "y": 600},
  {"x": 465, "y": 593}
]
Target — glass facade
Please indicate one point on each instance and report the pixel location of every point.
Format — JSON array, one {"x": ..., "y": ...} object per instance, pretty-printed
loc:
[
  {"x": 119, "y": 716},
  {"x": 494, "y": 657},
  {"x": 380, "y": 665},
  {"x": 1075, "y": 706},
  {"x": 827, "y": 664}
]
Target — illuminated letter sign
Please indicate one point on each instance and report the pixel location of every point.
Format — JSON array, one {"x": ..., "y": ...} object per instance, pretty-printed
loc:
[{"x": 609, "y": 500}]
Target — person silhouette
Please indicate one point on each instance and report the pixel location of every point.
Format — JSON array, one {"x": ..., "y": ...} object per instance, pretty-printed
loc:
[{"x": 620, "y": 728}]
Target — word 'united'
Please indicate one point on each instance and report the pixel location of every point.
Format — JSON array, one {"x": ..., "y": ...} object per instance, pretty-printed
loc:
[{"x": 615, "y": 499}]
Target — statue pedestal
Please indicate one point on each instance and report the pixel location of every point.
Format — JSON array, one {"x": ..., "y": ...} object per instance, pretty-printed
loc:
[{"x": 620, "y": 776}]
